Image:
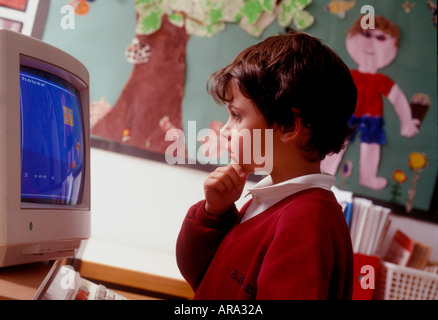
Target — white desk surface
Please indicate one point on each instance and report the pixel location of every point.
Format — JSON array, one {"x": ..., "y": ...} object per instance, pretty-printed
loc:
[{"x": 130, "y": 258}]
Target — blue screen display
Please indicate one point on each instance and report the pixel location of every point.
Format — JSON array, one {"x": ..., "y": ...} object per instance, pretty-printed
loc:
[{"x": 52, "y": 139}]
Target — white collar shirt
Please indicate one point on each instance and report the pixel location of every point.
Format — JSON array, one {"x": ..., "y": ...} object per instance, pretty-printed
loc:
[{"x": 265, "y": 194}]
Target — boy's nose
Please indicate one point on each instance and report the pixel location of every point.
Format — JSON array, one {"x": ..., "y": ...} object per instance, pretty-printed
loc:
[{"x": 225, "y": 133}]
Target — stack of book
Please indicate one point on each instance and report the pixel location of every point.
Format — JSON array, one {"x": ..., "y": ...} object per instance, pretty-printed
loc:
[
  {"x": 345, "y": 199},
  {"x": 368, "y": 226}
]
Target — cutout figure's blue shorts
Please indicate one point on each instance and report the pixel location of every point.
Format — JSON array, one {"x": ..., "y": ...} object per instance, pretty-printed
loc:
[{"x": 370, "y": 129}]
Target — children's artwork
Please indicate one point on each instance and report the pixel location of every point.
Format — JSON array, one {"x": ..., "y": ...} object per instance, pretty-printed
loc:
[
  {"x": 433, "y": 9},
  {"x": 98, "y": 110},
  {"x": 372, "y": 50},
  {"x": 408, "y": 6},
  {"x": 24, "y": 16},
  {"x": 399, "y": 177},
  {"x": 81, "y": 7},
  {"x": 151, "y": 101},
  {"x": 14, "y": 4},
  {"x": 137, "y": 53},
  {"x": 418, "y": 162},
  {"x": 340, "y": 8},
  {"x": 347, "y": 167},
  {"x": 148, "y": 73},
  {"x": 420, "y": 103},
  {"x": 206, "y": 18}
]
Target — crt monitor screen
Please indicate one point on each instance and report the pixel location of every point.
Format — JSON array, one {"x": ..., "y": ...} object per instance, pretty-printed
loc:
[{"x": 52, "y": 139}]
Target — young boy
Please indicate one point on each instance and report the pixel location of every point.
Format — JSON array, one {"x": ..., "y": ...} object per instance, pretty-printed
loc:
[{"x": 290, "y": 241}]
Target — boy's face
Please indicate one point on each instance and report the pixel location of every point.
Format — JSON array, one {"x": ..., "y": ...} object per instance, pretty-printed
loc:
[
  {"x": 249, "y": 136},
  {"x": 372, "y": 49}
]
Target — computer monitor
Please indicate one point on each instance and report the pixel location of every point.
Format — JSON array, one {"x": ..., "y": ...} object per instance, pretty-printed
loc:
[{"x": 44, "y": 151}]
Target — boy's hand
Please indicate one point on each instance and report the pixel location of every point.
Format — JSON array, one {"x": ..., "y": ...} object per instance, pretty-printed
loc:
[{"x": 223, "y": 187}]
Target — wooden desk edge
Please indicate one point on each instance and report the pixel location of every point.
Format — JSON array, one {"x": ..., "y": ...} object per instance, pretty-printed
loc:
[
  {"x": 22, "y": 282},
  {"x": 135, "y": 279}
]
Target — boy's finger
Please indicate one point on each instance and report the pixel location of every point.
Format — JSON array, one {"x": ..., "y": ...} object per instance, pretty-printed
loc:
[
  {"x": 237, "y": 175},
  {"x": 223, "y": 181},
  {"x": 240, "y": 171}
]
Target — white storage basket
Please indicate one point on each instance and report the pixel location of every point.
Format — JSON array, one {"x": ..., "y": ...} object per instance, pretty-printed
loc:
[{"x": 402, "y": 283}]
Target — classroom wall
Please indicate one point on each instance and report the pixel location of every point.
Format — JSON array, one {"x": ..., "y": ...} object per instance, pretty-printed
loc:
[
  {"x": 142, "y": 203},
  {"x": 138, "y": 201}
]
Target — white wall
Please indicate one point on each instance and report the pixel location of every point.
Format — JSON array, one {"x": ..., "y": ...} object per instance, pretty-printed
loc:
[{"x": 142, "y": 203}]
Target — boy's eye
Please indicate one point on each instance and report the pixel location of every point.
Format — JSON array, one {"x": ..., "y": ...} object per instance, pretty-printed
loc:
[{"x": 235, "y": 115}]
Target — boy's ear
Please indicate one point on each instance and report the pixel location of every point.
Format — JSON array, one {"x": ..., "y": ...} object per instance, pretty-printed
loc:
[{"x": 292, "y": 133}]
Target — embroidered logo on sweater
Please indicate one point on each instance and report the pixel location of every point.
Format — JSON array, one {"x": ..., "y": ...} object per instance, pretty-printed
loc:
[{"x": 240, "y": 279}]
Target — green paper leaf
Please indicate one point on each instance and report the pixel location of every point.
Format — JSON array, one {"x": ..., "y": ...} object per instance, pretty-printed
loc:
[{"x": 252, "y": 10}]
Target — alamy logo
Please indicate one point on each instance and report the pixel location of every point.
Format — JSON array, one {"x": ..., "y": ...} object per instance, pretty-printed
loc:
[
  {"x": 367, "y": 277},
  {"x": 239, "y": 146},
  {"x": 68, "y": 20},
  {"x": 367, "y": 21},
  {"x": 68, "y": 279}
]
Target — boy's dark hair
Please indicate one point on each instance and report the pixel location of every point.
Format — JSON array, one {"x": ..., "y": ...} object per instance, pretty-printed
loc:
[{"x": 294, "y": 75}]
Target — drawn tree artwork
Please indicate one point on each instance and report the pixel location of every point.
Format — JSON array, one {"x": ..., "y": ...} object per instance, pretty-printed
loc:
[{"x": 151, "y": 101}]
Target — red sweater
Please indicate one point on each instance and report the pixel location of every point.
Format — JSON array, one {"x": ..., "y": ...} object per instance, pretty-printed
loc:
[{"x": 300, "y": 248}]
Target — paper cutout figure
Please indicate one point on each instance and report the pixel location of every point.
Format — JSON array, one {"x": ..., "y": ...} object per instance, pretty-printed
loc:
[
  {"x": 137, "y": 52},
  {"x": 347, "y": 167},
  {"x": 81, "y": 7},
  {"x": 433, "y": 9},
  {"x": 372, "y": 50},
  {"x": 417, "y": 161},
  {"x": 165, "y": 124},
  {"x": 98, "y": 110},
  {"x": 407, "y": 5},
  {"x": 339, "y": 8}
]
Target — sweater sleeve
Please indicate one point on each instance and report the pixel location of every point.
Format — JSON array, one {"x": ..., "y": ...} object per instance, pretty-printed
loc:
[
  {"x": 300, "y": 260},
  {"x": 198, "y": 240}
]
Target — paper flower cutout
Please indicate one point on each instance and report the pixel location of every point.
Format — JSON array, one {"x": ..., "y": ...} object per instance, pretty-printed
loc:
[
  {"x": 400, "y": 177},
  {"x": 417, "y": 161}
]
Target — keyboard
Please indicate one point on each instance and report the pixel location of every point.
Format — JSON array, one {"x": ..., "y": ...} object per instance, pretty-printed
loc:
[
  {"x": 91, "y": 291},
  {"x": 67, "y": 284}
]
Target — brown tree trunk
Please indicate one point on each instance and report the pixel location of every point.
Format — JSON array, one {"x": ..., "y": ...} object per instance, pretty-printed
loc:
[{"x": 153, "y": 91}]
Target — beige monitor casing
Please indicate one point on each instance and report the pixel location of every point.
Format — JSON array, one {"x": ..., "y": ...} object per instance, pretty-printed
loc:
[{"x": 36, "y": 232}]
